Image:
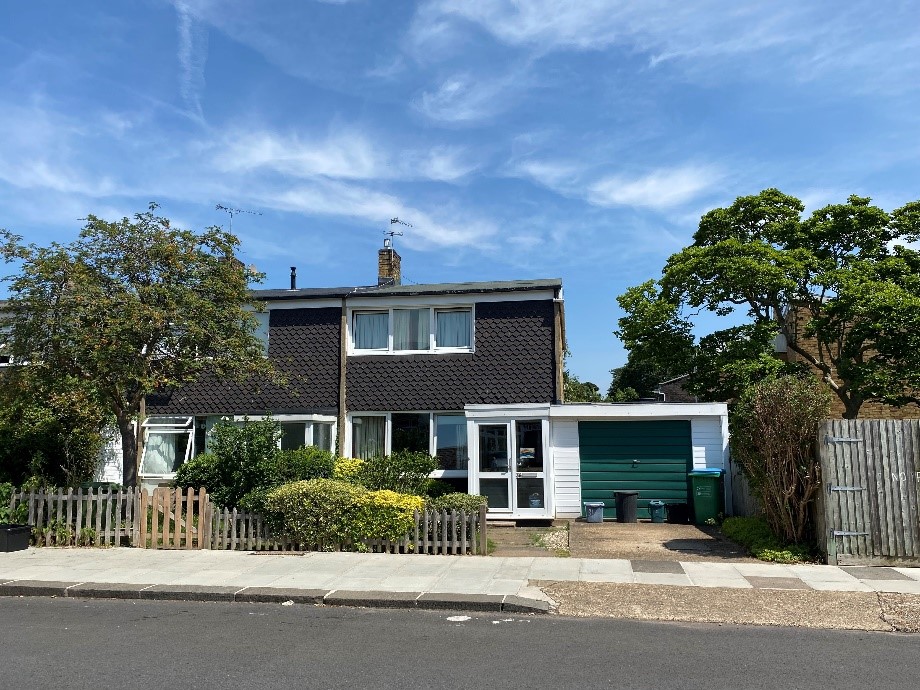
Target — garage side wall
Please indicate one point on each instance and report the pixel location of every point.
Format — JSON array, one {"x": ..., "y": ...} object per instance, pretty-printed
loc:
[{"x": 567, "y": 468}]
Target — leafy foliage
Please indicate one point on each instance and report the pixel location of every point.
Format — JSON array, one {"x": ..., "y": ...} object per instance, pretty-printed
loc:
[
  {"x": 330, "y": 513},
  {"x": 755, "y": 535},
  {"x": 49, "y": 430},
  {"x": 136, "y": 306},
  {"x": 19, "y": 514},
  {"x": 840, "y": 279},
  {"x": 404, "y": 471},
  {"x": 244, "y": 462},
  {"x": 347, "y": 469},
  {"x": 471, "y": 503},
  {"x": 773, "y": 432},
  {"x": 576, "y": 390}
]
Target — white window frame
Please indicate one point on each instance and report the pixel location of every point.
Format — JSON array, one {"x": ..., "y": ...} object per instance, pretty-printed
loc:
[
  {"x": 308, "y": 419},
  {"x": 433, "y": 347},
  {"x": 264, "y": 328},
  {"x": 432, "y": 436},
  {"x": 182, "y": 424}
]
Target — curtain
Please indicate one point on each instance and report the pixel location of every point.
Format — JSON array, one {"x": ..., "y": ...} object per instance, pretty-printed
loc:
[
  {"x": 411, "y": 329},
  {"x": 163, "y": 452},
  {"x": 369, "y": 437},
  {"x": 371, "y": 331},
  {"x": 453, "y": 329},
  {"x": 322, "y": 435}
]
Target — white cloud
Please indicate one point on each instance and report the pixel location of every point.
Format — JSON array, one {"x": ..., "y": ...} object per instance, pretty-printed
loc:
[
  {"x": 464, "y": 98},
  {"x": 661, "y": 188},
  {"x": 556, "y": 175},
  {"x": 192, "y": 54}
]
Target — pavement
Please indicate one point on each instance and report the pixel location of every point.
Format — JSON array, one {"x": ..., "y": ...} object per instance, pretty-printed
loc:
[{"x": 577, "y": 586}]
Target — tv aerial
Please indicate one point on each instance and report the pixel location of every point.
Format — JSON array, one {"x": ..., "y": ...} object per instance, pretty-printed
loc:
[
  {"x": 231, "y": 211},
  {"x": 390, "y": 234}
]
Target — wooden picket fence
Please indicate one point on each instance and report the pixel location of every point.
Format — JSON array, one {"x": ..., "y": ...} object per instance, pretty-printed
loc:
[
  {"x": 83, "y": 517},
  {"x": 173, "y": 519},
  {"x": 436, "y": 533}
]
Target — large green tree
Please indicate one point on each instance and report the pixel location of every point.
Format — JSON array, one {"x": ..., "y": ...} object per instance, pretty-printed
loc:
[
  {"x": 839, "y": 286},
  {"x": 132, "y": 307}
]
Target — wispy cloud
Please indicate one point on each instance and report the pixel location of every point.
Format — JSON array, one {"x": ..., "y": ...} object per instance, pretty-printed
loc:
[
  {"x": 192, "y": 54},
  {"x": 658, "y": 189}
]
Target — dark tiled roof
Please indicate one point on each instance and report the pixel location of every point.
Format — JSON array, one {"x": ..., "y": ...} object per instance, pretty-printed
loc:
[
  {"x": 304, "y": 346},
  {"x": 513, "y": 363},
  {"x": 396, "y": 290}
]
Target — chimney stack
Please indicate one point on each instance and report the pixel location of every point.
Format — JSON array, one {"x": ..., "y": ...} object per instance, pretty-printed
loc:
[
  {"x": 293, "y": 277},
  {"x": 388, "y": 271}
]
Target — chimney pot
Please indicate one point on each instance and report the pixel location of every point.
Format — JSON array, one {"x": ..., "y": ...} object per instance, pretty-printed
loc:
[{"x": 293, "y": 277}]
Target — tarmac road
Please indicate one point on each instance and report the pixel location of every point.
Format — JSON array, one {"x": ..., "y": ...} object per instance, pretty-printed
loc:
[{"x": 75, "y": 643}]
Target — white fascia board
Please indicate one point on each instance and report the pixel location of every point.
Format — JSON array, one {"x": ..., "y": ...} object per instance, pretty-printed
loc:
[
  {"x": 302, "y": 303},
  {"x": 516, "y": 410},
  {"x": 638, "y": 410},
  {"x": 459, "y": 299}
]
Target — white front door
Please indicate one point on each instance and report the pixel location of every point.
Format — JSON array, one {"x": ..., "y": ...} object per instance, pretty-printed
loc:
[{"x": 510, "y": 467}]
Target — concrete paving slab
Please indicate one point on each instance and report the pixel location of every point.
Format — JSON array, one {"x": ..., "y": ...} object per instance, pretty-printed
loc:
[
  {"x": 777, "y": 582},
  {"x": 897, "y": 586},
  {"x": 646, "y": 566},
  {"x": 517, "y": 604},
  {"x": 865, "y": 572},
  {"x": 854, "y": 586},
  {"x": 764, "y": 569},
  {"x": 703, "y": 575},
  {"x": 554, "y": 569},
  {"x": 912, "y": 573},
  {"x": 662, "y": 579}
]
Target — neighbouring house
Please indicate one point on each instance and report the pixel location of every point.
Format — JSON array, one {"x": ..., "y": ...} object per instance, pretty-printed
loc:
[{"x": 468, "y": 372}]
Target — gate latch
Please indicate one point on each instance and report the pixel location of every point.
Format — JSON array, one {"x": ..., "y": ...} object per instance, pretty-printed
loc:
[
  {"x": 831, "y": 488},
  {"x": 841, "y": 439},
  {"x": 843, "y": 533}
]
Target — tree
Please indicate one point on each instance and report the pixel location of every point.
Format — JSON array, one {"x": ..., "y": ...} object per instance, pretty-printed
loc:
[
  {"x": 580, "y": 391},
  {"x": 838, "y": 286},
  {"x": 132, "y": 307},
  {"x": 49, "y": 431}
]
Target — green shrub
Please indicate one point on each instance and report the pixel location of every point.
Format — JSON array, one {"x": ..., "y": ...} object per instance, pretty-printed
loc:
[
  {"x": 317, "y": 511},
  {"x": 385, "y": 515},
  {"x": 755, "y": 535},
  {"x": 330, "y": 512},
  {"x": 471, "y": 503},
  {"x": 198, "y": 472},
  {"x": 404, "y": 472},
  {"x": 347, "y": 469},
  {"x": 19, "y": 515},
  {"x": 302, "y": 464},
  {"x": 437, "y": 487}
]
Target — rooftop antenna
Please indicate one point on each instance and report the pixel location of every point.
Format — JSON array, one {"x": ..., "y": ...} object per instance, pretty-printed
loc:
[
  {"x": 390, "y": 234},
  {"x": 231, "y": 211}
]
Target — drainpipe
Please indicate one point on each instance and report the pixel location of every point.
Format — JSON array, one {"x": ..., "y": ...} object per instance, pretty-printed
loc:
[
  {"x": 343, "y": 361},
  {"x": 559, "y": 345}
]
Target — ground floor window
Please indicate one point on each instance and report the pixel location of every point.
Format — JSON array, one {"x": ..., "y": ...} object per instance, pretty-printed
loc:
[
  {"x": 441, "y": 434},
  {"x": 168, "y": 443},
  {"x": 298, "y": 433}
]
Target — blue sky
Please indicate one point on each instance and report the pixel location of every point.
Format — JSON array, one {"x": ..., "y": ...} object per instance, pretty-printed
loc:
[{"x": 577, "y": 139}]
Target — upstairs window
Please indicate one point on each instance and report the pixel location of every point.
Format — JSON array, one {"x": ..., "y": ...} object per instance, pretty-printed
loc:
[
  {"x": 423, "y": 329},
  {"x": 261, "y": 331}
]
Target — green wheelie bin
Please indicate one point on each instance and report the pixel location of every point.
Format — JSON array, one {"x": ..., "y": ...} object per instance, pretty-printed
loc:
[{"x": 706, "y": 488}]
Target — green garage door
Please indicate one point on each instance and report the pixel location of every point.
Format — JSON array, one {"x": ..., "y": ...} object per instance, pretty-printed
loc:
[{"x": 652, "y": 458}]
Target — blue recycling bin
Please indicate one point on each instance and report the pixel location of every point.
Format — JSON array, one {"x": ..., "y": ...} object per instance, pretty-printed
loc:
[{"x": 594, "y": 512}]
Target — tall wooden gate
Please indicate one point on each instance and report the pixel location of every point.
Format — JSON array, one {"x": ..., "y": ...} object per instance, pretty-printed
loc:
[
  {"x": 871, "y": 474},
  {"x": 173, "y": 519}
]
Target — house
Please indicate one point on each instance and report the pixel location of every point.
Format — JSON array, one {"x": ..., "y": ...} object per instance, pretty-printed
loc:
[{"x": 468, "y": 372}]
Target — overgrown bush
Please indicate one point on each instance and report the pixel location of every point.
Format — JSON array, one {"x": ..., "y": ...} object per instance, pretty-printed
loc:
[
  {"x": 471, "y": 503},
  {"x": 404, "y": 472},
  {"x": 755, "y": 535},
  {"x": 438, "y": 487},
  {"x": 774, "y": 429},
  {"x": 302, "y": 464},
  {"x": 199, "y": 471}
]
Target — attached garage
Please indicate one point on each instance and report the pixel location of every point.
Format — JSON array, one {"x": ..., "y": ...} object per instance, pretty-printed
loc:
[
  {"x": 645, "y": 447},
  {"x": 651, "y": 457}
]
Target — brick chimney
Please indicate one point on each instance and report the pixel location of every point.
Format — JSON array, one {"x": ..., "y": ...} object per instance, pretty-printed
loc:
[{"x": 388, "y": 272}]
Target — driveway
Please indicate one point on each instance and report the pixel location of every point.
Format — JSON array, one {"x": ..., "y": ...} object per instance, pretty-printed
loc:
[{"x": 653, "y": 541}]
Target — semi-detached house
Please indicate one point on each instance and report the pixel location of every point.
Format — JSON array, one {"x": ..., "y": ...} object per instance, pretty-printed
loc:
[{"x": 468, "y": 372}]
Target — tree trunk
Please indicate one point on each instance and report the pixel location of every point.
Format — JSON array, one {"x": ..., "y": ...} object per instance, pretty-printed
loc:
[
  {"x": 128, "y": 452},
  {"x": 851, "y": 406}
]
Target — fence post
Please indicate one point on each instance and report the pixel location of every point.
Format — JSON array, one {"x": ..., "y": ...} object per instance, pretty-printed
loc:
[{"x": 483, "y": 535}]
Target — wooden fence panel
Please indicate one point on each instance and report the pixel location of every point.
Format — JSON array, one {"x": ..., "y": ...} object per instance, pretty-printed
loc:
[
  {"x": 744, "y": 502},
  {"x": 871, "y": 472}
]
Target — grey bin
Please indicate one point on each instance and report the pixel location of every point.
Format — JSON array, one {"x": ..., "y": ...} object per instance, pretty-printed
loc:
[
  {"x": 594, "y": 512},
  {"x": 656, "y": 510},
  {"x": 626, "y": 505}
]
